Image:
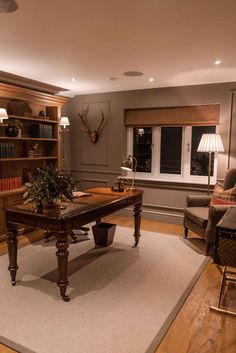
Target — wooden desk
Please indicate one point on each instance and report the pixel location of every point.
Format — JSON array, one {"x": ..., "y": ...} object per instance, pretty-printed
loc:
[{"x": 60, "y": 222}]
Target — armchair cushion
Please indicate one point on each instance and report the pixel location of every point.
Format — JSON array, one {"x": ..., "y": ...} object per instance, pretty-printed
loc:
[
  {"x": 230, "y": 179},
  {"x": 223, "y": 197},
  {"x": 198, "y": 215}
]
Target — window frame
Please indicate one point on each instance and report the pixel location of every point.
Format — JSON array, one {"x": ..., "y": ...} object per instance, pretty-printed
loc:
[{"x": 155, "y": 175}]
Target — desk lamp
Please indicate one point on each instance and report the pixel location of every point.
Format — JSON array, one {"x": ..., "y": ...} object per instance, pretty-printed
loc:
[{"x": 130, "y": 163}]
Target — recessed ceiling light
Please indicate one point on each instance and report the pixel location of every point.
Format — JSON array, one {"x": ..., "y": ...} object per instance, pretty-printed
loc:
[
  {"x": 151, "y": 79},
  {"x": 217, "y": 62},
  {"x": 133, "y": 73},
  {"x": 73, "y": 79},
  {"x": 113, "y": 78},
  {"x": 8, "y": 6}
]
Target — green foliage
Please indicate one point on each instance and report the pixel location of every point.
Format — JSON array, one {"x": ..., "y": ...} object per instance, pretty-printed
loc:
[
  {"x": 49, "y": 184},
  {"x": 14, "y": 122}
]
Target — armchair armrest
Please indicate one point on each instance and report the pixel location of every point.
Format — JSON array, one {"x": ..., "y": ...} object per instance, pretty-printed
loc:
[
  {"x": 198, "y": 200},
  {"x": 216, "y": 212}
]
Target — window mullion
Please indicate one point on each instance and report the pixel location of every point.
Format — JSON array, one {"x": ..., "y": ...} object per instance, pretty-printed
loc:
[{"x": 187, "y": 151}]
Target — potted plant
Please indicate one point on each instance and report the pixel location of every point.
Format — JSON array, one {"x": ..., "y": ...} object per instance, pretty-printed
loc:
[
  {"x": 46, "y": 186},
  {"x": 13, "y": 127}
]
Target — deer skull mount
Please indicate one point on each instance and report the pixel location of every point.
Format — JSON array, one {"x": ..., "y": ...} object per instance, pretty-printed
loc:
[{"x": 93, "y": 134}]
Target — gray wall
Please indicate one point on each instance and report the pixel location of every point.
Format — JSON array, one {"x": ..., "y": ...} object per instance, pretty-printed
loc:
[{"x": 99, "y": 164}]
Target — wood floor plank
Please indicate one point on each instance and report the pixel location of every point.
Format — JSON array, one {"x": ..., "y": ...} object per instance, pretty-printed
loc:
[{"x": 195, "y": 329}]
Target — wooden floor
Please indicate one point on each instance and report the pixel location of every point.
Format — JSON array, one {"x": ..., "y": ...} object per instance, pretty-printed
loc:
[{"x": 195, "y": 329}]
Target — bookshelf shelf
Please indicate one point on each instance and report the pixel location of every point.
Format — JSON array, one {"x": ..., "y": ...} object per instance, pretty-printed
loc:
[
  {"x": 33, "y": 118},
  {"x": 39, "y": 140},
  {"x": 12, "y": 192},
  {"x": 4, "y": 138},
  {"x": 27, "y": 159}
]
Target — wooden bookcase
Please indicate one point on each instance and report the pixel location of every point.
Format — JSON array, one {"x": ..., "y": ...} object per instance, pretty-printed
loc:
[{"x": 24, "y": 105}]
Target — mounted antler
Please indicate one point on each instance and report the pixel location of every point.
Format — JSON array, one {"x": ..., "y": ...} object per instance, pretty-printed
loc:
[{"x": 93, "y": 134}]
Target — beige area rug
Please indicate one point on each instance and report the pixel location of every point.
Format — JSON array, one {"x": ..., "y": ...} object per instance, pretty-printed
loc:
[{"x": 123, "y": 299}]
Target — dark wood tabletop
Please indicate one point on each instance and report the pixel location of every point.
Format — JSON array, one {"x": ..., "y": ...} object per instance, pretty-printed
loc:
[
  {"x": 228, "y": 221},
  {"x": 67, "y": 216}
]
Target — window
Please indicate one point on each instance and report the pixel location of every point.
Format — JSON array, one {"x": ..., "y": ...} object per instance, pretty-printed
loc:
[
  {"x": 199, "y": 160},
  {"x": 170, "y": 153},
  {"x": 170, "y": 159},
  {"x": 142, "y": 148}
]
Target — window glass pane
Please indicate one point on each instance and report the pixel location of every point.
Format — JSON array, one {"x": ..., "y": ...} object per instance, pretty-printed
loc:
[
  {"x": 142, "y": 148},
  {"x": 199, "y": 160},
  {"x": 171, "y": 150}
]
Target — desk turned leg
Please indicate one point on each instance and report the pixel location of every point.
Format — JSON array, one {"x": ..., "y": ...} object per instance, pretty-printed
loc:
[
  {"x": 12, "y": 251},
  {"x": 62, "y": 262},
  {"x": 47, "y": 235},
  {"x": 137, "y": 221}
]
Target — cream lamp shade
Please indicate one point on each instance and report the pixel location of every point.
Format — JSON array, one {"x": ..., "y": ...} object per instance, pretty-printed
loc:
[
  {"x": 64, "y": 122},
  {"x": 210, "y": 143},
  {"x": 3, "y": 115}
]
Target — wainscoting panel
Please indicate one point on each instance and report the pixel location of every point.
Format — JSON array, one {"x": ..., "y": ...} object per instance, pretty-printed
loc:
[{"x": 92, "y": 183}]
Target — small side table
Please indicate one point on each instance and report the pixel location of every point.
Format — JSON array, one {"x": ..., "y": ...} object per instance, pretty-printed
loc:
[{"x": 224, "y": 254}]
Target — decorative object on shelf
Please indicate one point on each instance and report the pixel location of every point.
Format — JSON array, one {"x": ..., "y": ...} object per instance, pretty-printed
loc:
[
  {"x": 42, "y": 113},
  {"x": 47, "y": 186},
  {"x": 93, "y": 134},
  {"x": 13, "y": 127},
  {"x": 34, "y": 151},
  {"x": 130, "y": 164},
  {"x": 210, "y": 143},
  {"x": 3, "y": 116}
]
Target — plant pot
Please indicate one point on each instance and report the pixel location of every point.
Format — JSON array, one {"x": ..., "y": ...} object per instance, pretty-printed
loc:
[
  {"x": 103, "y": 233},
  {"x": 11, "y": 131},
  {"x": 47, "y": 204}
]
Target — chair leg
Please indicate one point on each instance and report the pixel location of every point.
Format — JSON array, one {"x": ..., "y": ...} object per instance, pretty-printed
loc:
[
  {"x": 185, "y": 232},
  {"x": 209, "y": 248}
]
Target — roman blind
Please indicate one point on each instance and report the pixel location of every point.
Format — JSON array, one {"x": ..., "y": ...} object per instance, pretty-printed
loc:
[{"x": 173, "y": 116}]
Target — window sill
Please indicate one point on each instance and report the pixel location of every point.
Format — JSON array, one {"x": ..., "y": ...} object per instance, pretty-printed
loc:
[{"x": 171, "y": 184}]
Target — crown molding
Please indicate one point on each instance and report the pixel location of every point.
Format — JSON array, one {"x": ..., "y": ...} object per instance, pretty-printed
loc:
[{"x": 6, "y": 77}]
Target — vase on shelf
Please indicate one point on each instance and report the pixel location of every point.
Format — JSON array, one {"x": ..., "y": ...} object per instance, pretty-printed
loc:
[{"x": 11, "y": 131}]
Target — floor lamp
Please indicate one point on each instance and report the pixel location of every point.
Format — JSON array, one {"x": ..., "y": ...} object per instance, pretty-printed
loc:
[
  {"x": 210, "y": 143},
  {"x": 64, "y": 126}
]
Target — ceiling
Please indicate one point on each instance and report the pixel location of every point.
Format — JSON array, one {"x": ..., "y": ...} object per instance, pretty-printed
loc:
[{"x": 95, "y": 41}]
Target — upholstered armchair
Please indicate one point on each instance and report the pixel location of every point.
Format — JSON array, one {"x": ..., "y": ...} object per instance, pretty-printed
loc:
[{"x": 201, "y": 217}]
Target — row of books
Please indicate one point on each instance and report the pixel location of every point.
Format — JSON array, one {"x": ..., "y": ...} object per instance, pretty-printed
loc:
[
  {"x": 6, "y": 150},
  {"x": 10, "y": 183},
  {"x": 39, "y": 130}
]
